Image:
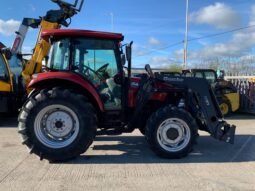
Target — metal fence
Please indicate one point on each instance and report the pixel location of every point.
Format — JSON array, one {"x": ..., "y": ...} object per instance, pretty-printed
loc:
[{"x": 246, "y": 88}]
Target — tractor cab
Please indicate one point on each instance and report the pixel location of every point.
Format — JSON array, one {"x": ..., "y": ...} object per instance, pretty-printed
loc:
[{"x": 94, "y": 56}]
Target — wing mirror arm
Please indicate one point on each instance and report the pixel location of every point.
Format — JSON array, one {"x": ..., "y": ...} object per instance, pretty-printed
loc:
[{"x": 129, "y": 57}]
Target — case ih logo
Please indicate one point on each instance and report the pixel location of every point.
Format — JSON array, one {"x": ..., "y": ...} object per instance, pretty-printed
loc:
[{"x": 16, "y": 44}]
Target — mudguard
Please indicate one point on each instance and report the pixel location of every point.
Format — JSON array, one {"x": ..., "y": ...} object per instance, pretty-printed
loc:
[{"x": 50, "y": 77}]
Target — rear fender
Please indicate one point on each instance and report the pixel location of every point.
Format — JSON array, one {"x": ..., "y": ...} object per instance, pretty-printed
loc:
[{"x": 71, "y": 80}]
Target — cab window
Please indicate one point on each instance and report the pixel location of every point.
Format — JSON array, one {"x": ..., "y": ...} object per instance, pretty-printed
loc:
[
  {"x": 95, "y": 59},
  {"x": 188, "y": 74},
  {"x": 59, "y": 55},
  {"x": 3, "y": 70},
  {"x": 210, "y": 77},
  {"x": 198, "y": 75}
]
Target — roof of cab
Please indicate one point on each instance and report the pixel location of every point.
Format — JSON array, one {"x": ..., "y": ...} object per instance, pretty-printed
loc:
[{"x": 80, "y": 33}]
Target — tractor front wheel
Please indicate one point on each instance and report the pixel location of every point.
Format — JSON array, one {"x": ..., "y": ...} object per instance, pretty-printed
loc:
[
  {"x": 171, "y": 132},
  {"x": 57, "y": 124}
]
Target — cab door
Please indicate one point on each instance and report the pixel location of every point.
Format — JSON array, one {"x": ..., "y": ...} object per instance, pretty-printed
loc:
[
  {"x": 5, "y": 85},
  {"x": 97, "y": 61}
]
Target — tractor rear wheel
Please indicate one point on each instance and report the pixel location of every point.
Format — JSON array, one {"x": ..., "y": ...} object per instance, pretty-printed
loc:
[
  {"x": 57, "y": 124},
  {"x": 171, "y": 132}
]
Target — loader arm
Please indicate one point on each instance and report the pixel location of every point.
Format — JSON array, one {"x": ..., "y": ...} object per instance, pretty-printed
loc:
[
  {"x": 202, "y": 101},
  {"x": 34, "y": 65},
  {"x": 54, "y": 19},
  {"x": 22, "y": 32}
]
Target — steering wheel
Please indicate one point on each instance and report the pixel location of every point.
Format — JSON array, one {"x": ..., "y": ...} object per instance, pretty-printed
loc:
[
  {"x": 100, "y": 73},
  {"x": 102, "y": 69},
  {"x": 86, "y": 69}
]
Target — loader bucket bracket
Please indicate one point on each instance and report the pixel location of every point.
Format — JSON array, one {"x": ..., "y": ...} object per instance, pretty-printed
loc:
[{"x": 226, "y": 133}]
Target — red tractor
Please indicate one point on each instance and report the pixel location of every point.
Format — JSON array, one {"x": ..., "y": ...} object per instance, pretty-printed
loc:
[{"x": 87, "y": 90}]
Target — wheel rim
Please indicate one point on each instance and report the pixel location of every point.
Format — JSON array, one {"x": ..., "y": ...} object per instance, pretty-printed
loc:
[
  {"x": 173, "y": 134},
  {"x": 56, "y": 126},
  {"x": 224, "y": 108}
]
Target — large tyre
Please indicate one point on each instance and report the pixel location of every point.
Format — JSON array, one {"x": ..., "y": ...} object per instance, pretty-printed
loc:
[
  {"x": 225, "y": 107},
  {"x": 57, "y": 124},
  {"x": 171, "y": 132}
]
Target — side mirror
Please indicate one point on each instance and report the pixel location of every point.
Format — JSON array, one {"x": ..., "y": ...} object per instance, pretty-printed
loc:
[
  {"x": 123, "y": 59},
  {"x": 129, "y": 59},
  {"x": 129, "y": 51}
]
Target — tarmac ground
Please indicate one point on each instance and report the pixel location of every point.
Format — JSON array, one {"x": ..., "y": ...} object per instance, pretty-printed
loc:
[{"x": 126, "y": 163}]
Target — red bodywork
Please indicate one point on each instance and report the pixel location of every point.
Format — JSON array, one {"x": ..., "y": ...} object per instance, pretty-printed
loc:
[
  {"x": 67, "y": 76},
  {"x": 134, "y": 88},
  {"x": 48, "y": 77},
  {"x": 80, "y": 33}
]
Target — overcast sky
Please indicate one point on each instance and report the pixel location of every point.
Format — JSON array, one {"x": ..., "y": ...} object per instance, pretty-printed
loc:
[{"x": 155, "y": 26}]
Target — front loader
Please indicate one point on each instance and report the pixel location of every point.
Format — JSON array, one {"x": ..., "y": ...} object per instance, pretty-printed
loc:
[{"x": 87, "y": 90}]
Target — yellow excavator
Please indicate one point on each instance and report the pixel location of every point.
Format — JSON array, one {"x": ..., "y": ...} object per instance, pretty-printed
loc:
[{"x": 13, "y": 82}]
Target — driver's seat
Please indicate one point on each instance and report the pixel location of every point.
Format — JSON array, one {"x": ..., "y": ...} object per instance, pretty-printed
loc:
[{"x": 115, "y": 91}]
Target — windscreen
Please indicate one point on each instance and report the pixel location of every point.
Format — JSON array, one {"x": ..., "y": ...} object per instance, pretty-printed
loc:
[{"x": 93, "y": 54}]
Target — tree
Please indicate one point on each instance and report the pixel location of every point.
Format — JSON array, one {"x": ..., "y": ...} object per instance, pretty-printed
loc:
[{"x": 173, "y": 68}]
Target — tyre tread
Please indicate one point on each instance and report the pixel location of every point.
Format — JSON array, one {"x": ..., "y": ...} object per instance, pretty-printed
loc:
[
  {"x": 155, "y": 120},
  {"x": 86, "y": 111}
]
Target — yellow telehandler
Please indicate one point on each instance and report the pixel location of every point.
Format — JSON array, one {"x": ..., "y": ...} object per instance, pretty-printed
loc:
[{"x": 13, "y": 83}]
